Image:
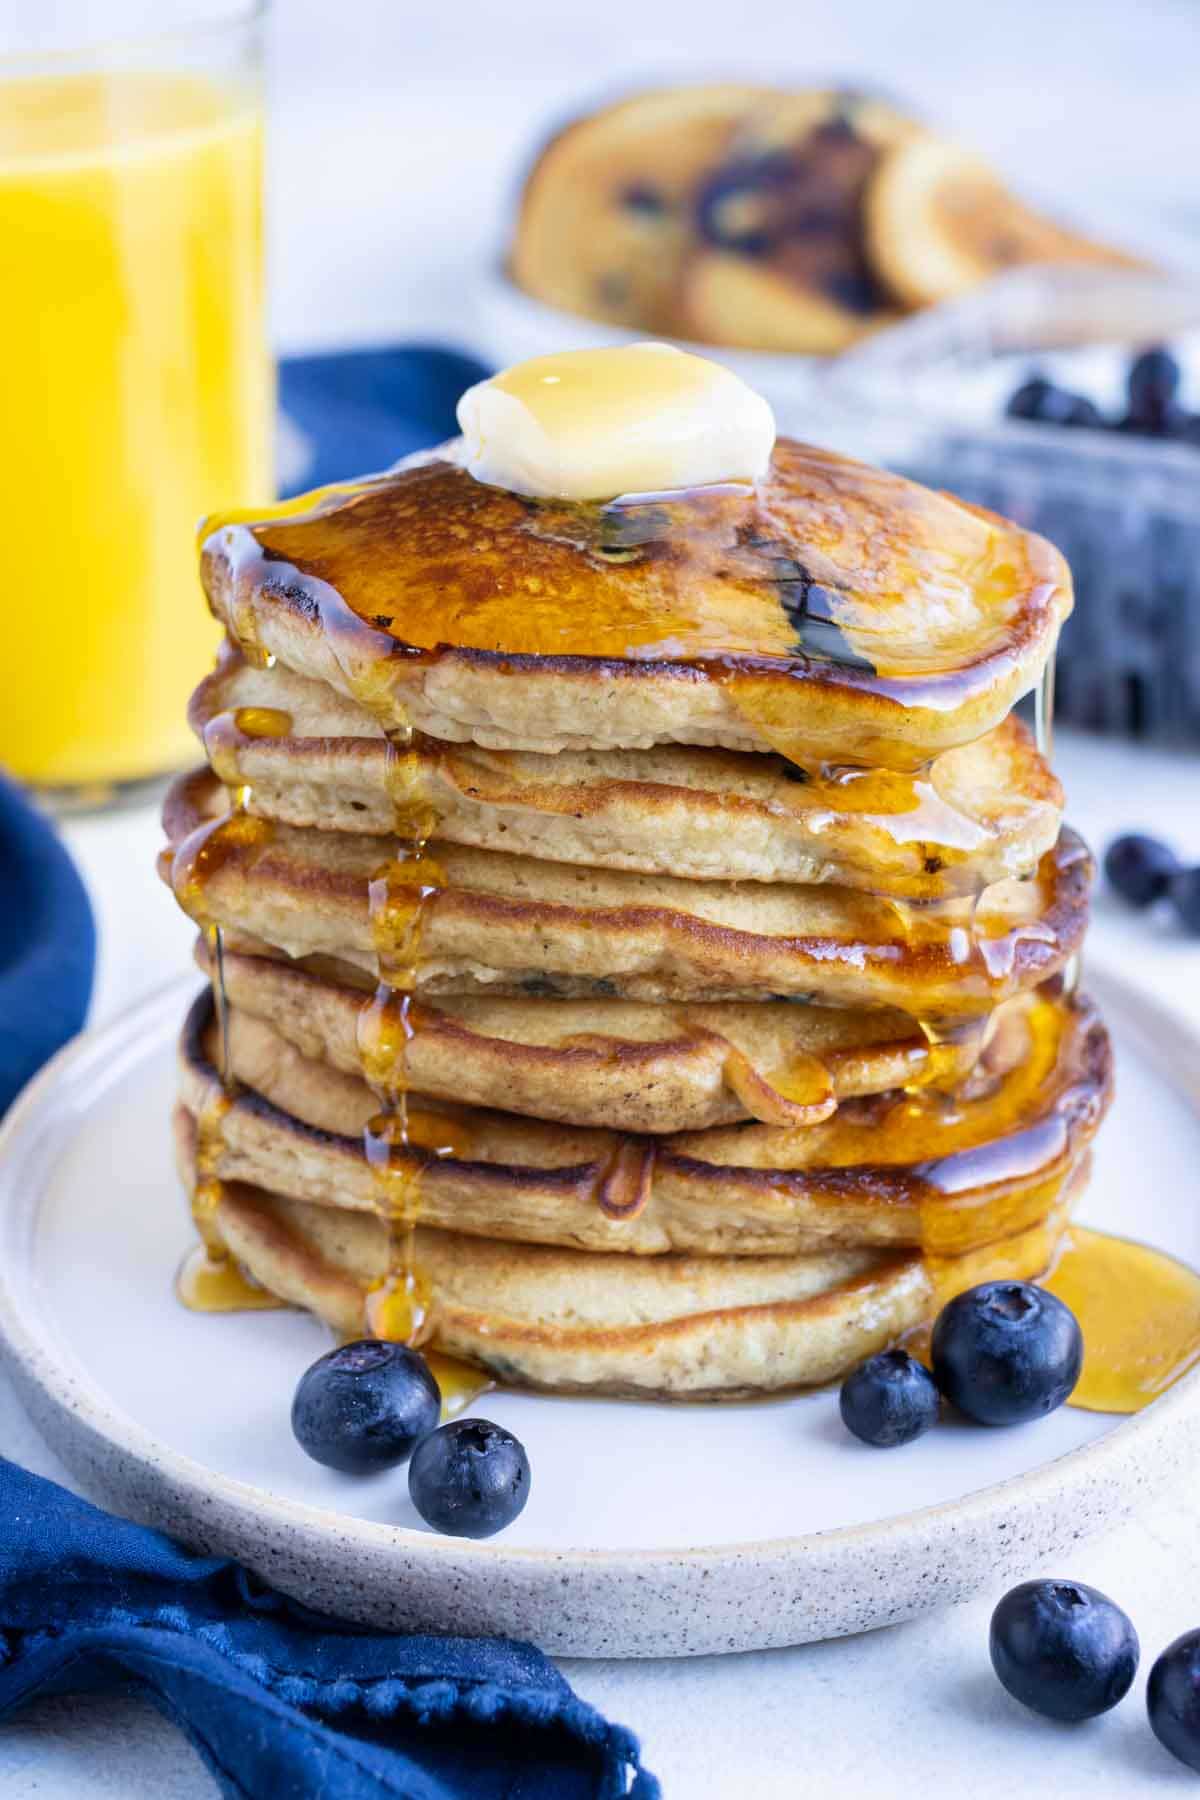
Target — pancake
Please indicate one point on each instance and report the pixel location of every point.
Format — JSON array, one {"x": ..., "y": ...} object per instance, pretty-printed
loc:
[
  {"x": 832, "y": 613},
  {"x": 514, "y": 924},
  {"x": 939, "y": 222},
  {"x": 671, "y": 1327},
  {"x": 780, "y": 261},
  {"x": 984, "y": 811},
  {"x": 627, "y": 213},
  {"x": 606, "y": 211},
  {"x": 946, "y": 1172},
  {"x": 605, "y": 1062}
]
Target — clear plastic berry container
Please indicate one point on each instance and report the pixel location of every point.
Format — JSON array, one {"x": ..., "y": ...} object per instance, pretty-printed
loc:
[{"x": 928, "y": 399}]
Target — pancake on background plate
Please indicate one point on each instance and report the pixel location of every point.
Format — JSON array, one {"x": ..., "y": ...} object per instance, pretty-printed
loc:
[{"x": 768, "y": 219}]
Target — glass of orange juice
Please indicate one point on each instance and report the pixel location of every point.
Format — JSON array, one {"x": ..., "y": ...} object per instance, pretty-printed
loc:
[{"x": 137, "y": 390}]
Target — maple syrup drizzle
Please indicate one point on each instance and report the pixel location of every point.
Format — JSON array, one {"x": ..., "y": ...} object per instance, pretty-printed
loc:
[
  {"x": 210, "y": 1279},
  {"x": 396, "y": 1144},
  {"x": 1139, "y": 1311},
  {"x": 704, "y": 577},
  {"x": 460, "y": 1382}
]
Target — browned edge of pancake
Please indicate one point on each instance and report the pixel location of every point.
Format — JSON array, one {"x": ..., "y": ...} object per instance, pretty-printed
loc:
[
  {"x": 899, "y": 965},
  {"x": 689, "y": 1204}
]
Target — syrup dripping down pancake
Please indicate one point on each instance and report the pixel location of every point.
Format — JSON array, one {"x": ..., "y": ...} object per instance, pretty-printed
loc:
[
  {"x": 512, "y": 924},
  {"x": 603, "y": 1062},
  {"x": 668, "y": 1327},
  {"x": 947, "y": 1172},
  {"x": 832, "y": 613},
  {"x": 982, "y": 812}
]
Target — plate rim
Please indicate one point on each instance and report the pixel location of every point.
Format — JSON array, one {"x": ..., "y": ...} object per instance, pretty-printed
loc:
[{"x": 58, "y": 1381}]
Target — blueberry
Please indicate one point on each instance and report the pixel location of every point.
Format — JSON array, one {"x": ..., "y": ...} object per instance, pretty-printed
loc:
[
  {"x": 364, "y": 1406},
  {"x": 469, "y": 1479},
  {"x": 1153, "y": 388},
  {"x": 1084, "y": 413},
  {"x": 1046, "y": 404},
  {"x": 1029, "y": 398},
  {"x": 734, "y": 207},
  {"x": 1139, "y": 868},
  {"x": 1062, "y": 1649},
  {"x": 1006, "y": 1352},
  {"x": 1173, "y": 1699},
  {"x": 889, "y": 1399},
  {"x": 1183, "y": 891},
  {"x": 1172, "y": 422},
  {"x": 639, "y": 197}
]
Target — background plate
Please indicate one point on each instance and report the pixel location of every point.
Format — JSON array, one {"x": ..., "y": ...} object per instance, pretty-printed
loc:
[{"x": 651, "y": 1529}]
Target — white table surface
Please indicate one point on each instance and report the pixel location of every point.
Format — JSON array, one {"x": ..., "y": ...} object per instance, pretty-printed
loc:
[{"x": 370, "y": 244}]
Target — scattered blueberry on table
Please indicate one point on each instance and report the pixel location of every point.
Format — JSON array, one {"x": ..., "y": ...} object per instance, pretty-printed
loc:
[
  {"x": 1006, "y": 1352},
  {"x": 469, "y": 1479},
  {"x": 1062, "y": 1649},
  {"x": 363, "y": 1407},
  {"x": 1173, "y": 1699},
  {"x": 1152, "y": 404},
  {"x": 890, "y": 1399},
  {"x": 1067, "y": 1651},
  {"x": 1143, "y": 870}
]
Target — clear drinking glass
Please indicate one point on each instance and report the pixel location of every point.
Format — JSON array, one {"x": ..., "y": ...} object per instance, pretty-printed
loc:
[{"x": 138, "y": 391}]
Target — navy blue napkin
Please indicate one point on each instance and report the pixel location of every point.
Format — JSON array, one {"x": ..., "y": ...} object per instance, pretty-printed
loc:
[
  {"x": 356, "y": 411},
  {"x": 279, "y": 1701},
  {"x": 47, "y": 947}
]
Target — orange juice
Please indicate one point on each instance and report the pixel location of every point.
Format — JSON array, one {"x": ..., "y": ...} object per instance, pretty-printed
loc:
[{"x": 138, "y": 396}]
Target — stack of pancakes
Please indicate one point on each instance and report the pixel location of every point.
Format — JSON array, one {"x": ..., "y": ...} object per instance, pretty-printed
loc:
[{"x": 719, "y": 913}]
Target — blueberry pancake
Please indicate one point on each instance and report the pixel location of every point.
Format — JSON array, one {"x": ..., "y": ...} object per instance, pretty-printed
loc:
[
  {"x": 665, "y": 1327},
  {"x": 596, "y": 1062},
  {"x": 498, "y": 923},
  {"x": 780, "y": 261},
  {"x": 768, "y": 219},
  {"x": 607, "y": 211},
  {"x": 921, "y": 1170},
  {"x": 939, "y": 222},
  {"x": 829, "y": 612},
  {"x": 980, "y": 813}
]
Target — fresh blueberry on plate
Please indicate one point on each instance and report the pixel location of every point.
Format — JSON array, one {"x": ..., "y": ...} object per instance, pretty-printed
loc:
[
  {"x": 1006, "y": 1352},
  {"x": 1062, "y": 1649},
  {"x": 1173, "y": 1699},
  {"x": 1183, "y": 891},
  {"x": 889, "y": 1399},
  {"x": 1139, "y": 868},
  {"x": 469, "y": 1479},
  {"x": 363, "y": 1406}
]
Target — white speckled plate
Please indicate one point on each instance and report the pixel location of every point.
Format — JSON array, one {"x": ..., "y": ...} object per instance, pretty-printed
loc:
[{"x": 650, "y": 1529}]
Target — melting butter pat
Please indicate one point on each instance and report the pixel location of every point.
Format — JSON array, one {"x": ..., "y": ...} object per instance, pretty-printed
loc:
[{"x": 592, "y": 424}]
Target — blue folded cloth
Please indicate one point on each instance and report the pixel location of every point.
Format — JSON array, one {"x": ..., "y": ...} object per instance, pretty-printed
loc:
[
  {"x": 355, "y": 411},
  {"x": 48, "y": 946},
  {"x": 281, "y": 1702}
]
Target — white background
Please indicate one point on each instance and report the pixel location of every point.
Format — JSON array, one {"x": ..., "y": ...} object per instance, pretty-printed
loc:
[{"x": 398, "y": 129}]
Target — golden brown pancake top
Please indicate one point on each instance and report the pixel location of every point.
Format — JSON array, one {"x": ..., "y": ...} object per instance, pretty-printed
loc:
[{"x": 827, "y": 561}]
